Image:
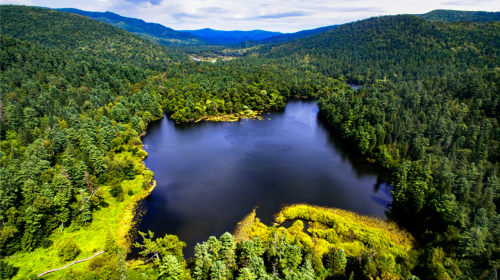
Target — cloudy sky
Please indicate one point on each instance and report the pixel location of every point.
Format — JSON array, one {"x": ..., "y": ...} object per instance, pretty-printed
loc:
[{"x": 272, "y": 15}]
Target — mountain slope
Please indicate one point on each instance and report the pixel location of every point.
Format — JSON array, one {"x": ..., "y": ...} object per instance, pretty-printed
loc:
[
  {"x": 153, "y": 31},
  {"x": 452, "y": 15},
  {"x": 300, "y": 34},
  {"x": 395, "y": 47},
  {"x": 231, "y": 37},
  {"x": 80, "y": 34}
]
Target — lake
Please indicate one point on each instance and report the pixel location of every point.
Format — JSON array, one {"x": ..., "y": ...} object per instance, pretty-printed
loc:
[{"x": 212, "y": 174}]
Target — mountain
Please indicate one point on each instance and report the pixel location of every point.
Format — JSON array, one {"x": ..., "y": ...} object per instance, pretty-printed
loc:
[
  {"x": 152, "y": 31},
  {"x": 81, "y": 35},
  {"x": 300, "y": 34},
  {"x": 452, "y": 15},
  {"x": 231, "y": 37},
  {"x": 395, "y": 47}
]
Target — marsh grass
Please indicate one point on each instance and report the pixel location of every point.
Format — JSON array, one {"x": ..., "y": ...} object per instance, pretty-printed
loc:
[
  {"x": 330, "y": 228},
  {"x": 344, "y": 221}
]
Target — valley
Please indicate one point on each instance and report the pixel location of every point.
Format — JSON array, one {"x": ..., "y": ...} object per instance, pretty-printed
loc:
[{"x": 184, "y": 157}]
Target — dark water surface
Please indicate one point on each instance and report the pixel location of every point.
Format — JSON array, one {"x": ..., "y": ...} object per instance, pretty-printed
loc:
[
  {"x": 354, "y": 86},
  {"x": 211, "y": 174}
]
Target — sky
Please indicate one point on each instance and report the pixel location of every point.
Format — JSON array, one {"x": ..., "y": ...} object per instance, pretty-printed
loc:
[{"x": 272, "y": 15}]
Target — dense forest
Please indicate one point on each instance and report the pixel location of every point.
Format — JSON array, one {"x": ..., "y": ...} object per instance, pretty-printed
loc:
[
  {"x": 441, "y": 139},
  {"x": 430, "y": 113},
  {"x": 74, "y": 100},
  {"x": 296, "y": 35},
  {"x": 395, "y": 48},
  {"x": 76, "y": 94},
  {"x": 451, "y": 15}
]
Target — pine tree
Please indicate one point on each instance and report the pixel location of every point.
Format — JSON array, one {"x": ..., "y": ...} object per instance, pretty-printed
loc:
[
  {"x": 256, "y": 265},
  {"x": 292, "y": 257},
  {"x": 203, "y": 261},
  {"x": 472, "y": 243},
  {"x": 32, "y": 230},
  {"x": 342, "y": 261},
  {"x": 227, "y": 251},
  {"x": 339, "y": 261},
  {"x": 219, "y": 271},
  {"x": 121, "y": 266},
  {"x": 86, "y": 211},
  {"x": 110, "y": 243},
  {"x": 335, "y": 262},
  {"x": 306, "y": 271},
  {"x": 171, "y": 269},
  {"x": 246, "y": 274}
]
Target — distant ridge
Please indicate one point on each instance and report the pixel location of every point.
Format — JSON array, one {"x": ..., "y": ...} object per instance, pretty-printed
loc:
[
  {"x": 300, "y": 34},
  {"x": 231, "y": 37},
  {"x": 153, "y": 31},
  {"x": 453, "y": 15}
]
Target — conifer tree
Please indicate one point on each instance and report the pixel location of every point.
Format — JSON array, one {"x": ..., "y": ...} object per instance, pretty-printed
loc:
[
  {"x": 110, "y": 243},
  {"x": 121, "y": 265},
  {"x": 218, "y": 271},
  {"x": 306, "y": 271},
  {"x": 171, "y": 269},
  {"x": 246, "y": 274},
  {"x": 227, "y": 251}
]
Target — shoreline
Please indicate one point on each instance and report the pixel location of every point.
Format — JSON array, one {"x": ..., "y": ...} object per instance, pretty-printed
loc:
[{"x": 234, "y": 117}]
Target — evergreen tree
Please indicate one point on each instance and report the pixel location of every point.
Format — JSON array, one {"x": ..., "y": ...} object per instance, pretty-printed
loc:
[
  {"x": 227, "y": 252},
  {"x": 110, "y": 245},
  {"x": 121, "y": 265},
  {"x": 472, "y": 243},
  {"x": 218, "y": 271},
  {"x": 306, "y": 271},
  {"x": 171, "y": 269},
  {"x": 246, "y": 274}
]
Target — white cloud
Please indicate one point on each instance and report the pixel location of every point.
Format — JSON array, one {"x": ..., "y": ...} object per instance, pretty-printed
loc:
[
  {"x": 466, "y": 2},
  {"x": 272, "y": 15}
]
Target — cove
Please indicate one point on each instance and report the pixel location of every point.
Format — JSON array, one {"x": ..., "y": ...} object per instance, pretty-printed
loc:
[{"x": 210, "y": 175}]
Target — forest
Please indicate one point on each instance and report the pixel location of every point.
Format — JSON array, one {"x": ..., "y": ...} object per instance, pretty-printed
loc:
[
  {"x": 76, "y": 95},
  {"x": 395, "y": 48}
]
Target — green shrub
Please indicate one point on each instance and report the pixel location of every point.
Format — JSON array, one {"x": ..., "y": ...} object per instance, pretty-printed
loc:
[
  {"x": 146, "y": 185},
  {"x": 116, "y": 189},
  {"x": 7, "y": 271},
  {"x": 68, "y": 250},
  {"x": 46, "y": 243}
]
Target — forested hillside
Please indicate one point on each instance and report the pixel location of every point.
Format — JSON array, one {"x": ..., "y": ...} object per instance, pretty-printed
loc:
[
  {"x": 395, "y": 48},
  {"x": 74, "y": 99},
  {"x": 451, "y": 15},
  {"x": 77, "y": 93},
  {"x": 81, "y": 36},
  {"x": 431, "y": 114},
  {"x": 152, "y": 31},
  {"x": 441, "y": 139}
]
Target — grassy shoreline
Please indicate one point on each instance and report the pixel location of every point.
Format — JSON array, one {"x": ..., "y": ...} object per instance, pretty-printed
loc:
[
  {"x": 355, "y": 233},
  {"x": 249, "y": 114},
  {"x": 120, "y": 218}
]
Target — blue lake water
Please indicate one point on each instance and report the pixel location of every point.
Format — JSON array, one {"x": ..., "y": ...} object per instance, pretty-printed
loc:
[{"x": 211, "y": 174}]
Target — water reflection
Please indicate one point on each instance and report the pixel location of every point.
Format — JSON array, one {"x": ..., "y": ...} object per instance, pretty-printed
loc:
[{"x": 211, "y": 174}]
